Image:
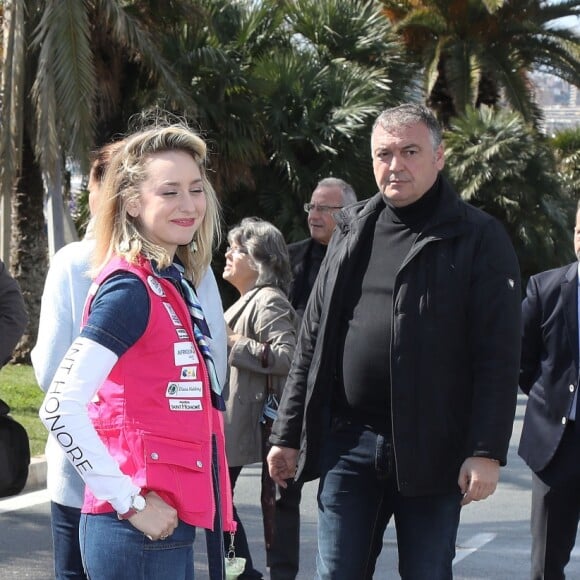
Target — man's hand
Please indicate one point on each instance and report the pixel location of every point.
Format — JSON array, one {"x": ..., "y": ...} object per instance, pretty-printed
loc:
[
  {"x": 282, "y": 464},
  {"x": 478, "y": 478}
]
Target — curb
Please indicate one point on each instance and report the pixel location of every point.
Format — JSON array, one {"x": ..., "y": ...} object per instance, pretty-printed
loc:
[{"x": 36, "y": 474}]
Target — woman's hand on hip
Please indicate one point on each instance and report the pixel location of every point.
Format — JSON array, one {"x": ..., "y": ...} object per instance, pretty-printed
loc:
[{"x": 158, "y": 520}]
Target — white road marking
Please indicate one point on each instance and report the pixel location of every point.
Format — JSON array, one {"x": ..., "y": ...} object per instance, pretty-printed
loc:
[
  {"x": 19, "y": 502},
  {"x": 471, "y": 545}
]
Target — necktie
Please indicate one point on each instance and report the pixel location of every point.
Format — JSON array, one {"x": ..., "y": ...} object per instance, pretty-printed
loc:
[{"x": 201, "y": 331}]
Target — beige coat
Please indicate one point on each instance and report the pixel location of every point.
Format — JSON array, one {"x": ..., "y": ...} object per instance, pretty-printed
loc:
[{"x": 261, "y": 315}]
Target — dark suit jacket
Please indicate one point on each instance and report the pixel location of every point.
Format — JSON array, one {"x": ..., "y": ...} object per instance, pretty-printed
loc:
[
  {"x": 300, "y": 263},
  {"x": 549, "y": 367}
]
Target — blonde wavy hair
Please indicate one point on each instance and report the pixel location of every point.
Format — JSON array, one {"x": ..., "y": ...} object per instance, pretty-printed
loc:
[{"x": 118, "y": 233}]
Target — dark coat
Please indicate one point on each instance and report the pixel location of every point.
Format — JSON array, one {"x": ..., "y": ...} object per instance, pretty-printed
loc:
[
  {"x": 300, "y": 254},
  {"x": 549, "y": 368},
  {"x": 13, "y": 317},
  {"x": 455, "y": 346}
]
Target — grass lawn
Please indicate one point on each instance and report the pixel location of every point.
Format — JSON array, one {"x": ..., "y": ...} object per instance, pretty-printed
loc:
[{"x": 19, "y": 389}]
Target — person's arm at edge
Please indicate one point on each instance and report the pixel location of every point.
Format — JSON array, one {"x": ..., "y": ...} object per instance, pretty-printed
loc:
[{"x": 531, "y": 336}]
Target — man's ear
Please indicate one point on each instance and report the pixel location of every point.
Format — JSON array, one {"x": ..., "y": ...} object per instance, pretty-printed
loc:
[{"x": 440, "y": 157}]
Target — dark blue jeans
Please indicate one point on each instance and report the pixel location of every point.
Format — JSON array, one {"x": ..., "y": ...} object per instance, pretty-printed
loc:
[
  {"x": 357, "y": 496},
  {"x": 114, "y": 549},
  {"x": 64, "y": 521}
]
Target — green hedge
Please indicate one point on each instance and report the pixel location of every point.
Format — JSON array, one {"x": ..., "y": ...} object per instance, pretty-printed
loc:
[{"x": 19, "y": 389}]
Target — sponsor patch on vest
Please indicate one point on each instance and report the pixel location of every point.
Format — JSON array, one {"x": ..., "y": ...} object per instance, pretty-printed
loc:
[
  {"x": 172, "y": 314},
  {"x": 155, "y": 285},
  {"x": 189, "y": 373},
  {"x": 184, "y": 354},
  {"x": 182, "y": 333},
  {"x": 185, "y": 405},
  {"x": 185, "y": 389}
]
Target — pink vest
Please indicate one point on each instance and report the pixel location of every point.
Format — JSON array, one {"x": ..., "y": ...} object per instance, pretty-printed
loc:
[{"x": 154, "y": 411}]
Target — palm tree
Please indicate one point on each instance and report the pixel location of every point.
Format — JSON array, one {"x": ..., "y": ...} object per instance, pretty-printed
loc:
[
  {"x": 478, "y": 52},
  {"x": 566, "y": 145},
  {"x": 345, "y": 67},
  {"x": 286, "y": 92},
  {"x": 56, "y": 88},
  {"x": 500, "y": 164}
]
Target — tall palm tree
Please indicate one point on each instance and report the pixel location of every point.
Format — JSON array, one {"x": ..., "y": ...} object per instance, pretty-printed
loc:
[
  {"x": 478, "y": 52},
  {"x": 54, "y": 95},
  {"x": 500, "y": 164}
]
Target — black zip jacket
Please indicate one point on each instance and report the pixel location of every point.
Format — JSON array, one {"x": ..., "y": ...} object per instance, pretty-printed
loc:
[{"x": 455, "y": 346}]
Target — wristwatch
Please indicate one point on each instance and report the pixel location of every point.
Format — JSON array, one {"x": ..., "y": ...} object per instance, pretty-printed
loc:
[{"x": 138, "y": 504}]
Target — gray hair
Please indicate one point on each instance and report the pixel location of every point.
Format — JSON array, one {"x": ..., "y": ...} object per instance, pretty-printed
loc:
[
  {"x": 266, "y": 246},
  {"x": 348, "y": 194},
  {"x": 411, "y": 114}
]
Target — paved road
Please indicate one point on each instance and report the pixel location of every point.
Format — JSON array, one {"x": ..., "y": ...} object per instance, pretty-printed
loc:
[{"x": 493, "y": 540}]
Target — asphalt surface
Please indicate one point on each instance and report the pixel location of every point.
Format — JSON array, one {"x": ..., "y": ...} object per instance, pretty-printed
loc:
[{"x": 493, "y": 539}]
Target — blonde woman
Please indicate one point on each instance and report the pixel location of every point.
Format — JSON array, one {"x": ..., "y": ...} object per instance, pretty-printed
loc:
[{"x": 135, "y": 401}]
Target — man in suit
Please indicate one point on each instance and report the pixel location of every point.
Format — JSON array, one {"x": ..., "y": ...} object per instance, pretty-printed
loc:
[
  {"x": 550, "y": 441},
  {"x": 329, "y": 196}
]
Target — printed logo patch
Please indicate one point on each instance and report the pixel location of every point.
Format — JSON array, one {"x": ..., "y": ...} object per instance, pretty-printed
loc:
[
  {"x": 172, "y": 314},
  {"x": 155, "y": 285},
  {"x": 189, "y": 373},
  {"x": 185, "y": 405},
  {"x": 184, "y": 354},
  {"x": 186, "y": 389},
  {"x": 182, "y": 333}
]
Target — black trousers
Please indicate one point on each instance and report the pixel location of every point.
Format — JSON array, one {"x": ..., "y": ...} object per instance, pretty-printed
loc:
[
  {"x": 556, "y": 508},
  {"x": 284, "y": 556}
]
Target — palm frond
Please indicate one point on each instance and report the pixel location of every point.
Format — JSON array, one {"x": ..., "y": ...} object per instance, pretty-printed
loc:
[
  {"x": 64, "y": 87},
  {"x": 126, "y": 31}
]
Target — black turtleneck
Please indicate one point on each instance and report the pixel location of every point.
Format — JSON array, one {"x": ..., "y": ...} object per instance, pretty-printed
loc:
[{"x": 364, "y": 391}]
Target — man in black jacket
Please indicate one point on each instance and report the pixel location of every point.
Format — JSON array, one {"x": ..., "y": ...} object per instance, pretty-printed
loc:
[
  {"x": 330, "y": 195},
  {"x": 13, "y": 317},
  {"x": 402, "y": 392},
  {"x": 550, "y": 442}
]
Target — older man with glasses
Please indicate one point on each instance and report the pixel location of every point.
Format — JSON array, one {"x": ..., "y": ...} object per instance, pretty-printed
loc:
[{"x": 330, "y": 195}]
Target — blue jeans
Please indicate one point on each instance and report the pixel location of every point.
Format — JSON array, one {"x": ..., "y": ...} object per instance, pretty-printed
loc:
[
  {"x": 113, "y": 549},
  {"x": 64, "y": 521},
  {"x": 357, "y": 496}
]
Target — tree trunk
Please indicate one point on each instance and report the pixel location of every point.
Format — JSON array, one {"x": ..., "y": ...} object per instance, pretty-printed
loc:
[
  {"x": 29, "y": 255},
  {"x": 440, "y": 100}
]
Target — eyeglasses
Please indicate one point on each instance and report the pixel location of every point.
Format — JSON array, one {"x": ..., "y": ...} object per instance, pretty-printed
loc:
[
  {"x": 308, "y": 207},
  {"x": 236, "y": 251}
]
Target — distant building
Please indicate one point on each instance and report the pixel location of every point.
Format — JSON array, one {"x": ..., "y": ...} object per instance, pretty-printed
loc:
[{"x": 559, "y": 101}]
